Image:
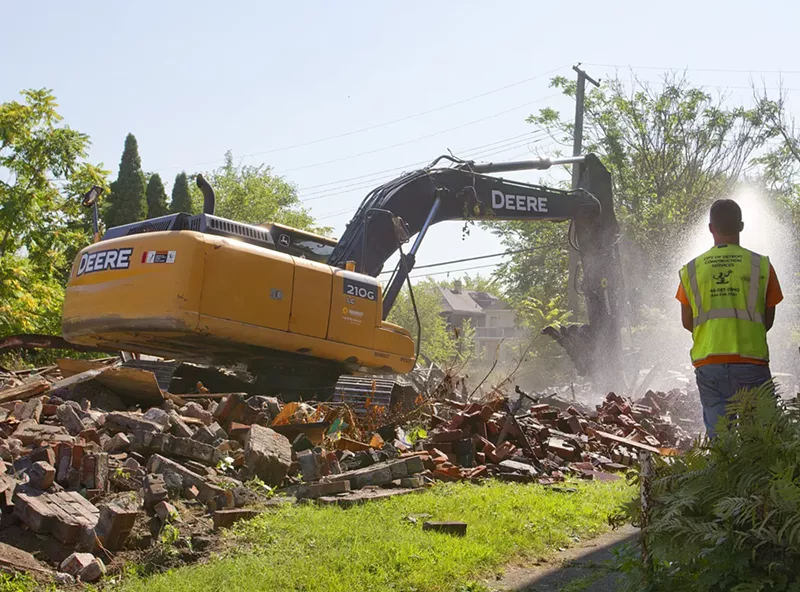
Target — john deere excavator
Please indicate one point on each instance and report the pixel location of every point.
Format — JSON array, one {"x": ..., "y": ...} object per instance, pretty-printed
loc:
[{"x": 300, "y": 309}]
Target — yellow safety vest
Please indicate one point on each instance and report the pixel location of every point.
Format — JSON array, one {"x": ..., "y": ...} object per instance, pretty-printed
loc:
[{"x": 727, "y": 287}]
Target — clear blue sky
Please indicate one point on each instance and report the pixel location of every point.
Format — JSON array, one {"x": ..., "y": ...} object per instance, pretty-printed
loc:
[{"x": 194, "y": 79}]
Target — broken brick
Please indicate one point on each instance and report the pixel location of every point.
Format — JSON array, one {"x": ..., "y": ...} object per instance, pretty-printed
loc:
[
  {"x": 227, "y": 518},
  {"x": 62, "y": 514},
  {"x": 155, "y": 490},
  {"x": 316, "y": 490},
  {"x": 448, "y": 436},
  {"x": 42, "y": 475},
  {"x": 267, "y": 455}
]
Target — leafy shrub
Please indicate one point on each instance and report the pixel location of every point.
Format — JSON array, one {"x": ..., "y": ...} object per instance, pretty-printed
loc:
[{"x": 726, "y": 516}]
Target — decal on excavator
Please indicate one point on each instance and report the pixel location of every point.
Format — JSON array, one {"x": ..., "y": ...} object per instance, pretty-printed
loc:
[
  {"x": 158, "y": 257},
  {"x": 103, "y": 260},
  {"x": 360, "y": 289},
  {"x": 518, "y": 203}
]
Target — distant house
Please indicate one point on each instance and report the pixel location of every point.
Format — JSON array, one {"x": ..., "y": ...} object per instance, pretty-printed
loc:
[{"x": 493, "y": 319}]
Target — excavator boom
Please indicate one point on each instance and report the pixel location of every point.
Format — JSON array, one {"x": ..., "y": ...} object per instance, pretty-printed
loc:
[{"x": 466, "y": 191}]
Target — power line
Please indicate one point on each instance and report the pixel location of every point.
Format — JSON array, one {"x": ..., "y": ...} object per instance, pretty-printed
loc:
[
  {"x": 453, "y": 271},
  {"x": 379, "y": 125},
  {"x": 530, "y": 136},
  {"x": 425, "y": 137},
  {"x": 467, "y": 259},
  {"x": 472, "y": 153},
  {"x": 353, "y": 209},
  {"x": 725, "y": 70}
]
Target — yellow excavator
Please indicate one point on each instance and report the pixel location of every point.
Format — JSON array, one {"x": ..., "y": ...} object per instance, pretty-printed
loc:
[{"x": 299, "y": 309}]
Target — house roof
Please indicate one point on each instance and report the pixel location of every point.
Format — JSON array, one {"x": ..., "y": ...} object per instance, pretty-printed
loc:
[{"x": 460, "y": 302}]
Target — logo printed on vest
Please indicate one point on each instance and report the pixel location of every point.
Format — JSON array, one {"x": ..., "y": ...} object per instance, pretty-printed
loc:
[{"x": 722, "y": 278}]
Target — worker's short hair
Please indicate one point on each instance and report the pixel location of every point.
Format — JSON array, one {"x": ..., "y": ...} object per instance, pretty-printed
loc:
[{"x": 726, "y": 217}]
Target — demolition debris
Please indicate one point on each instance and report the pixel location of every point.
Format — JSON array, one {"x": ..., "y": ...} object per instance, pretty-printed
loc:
[{"x": 103, "y": 455}]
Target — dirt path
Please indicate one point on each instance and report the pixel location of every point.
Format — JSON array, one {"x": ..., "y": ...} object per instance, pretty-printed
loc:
[{"x": 585, "y": 568}]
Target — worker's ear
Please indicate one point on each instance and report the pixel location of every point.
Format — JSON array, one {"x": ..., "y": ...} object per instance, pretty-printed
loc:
[
  {"x": 741, "y": 226},
  {"x": 710, "y": 228}
]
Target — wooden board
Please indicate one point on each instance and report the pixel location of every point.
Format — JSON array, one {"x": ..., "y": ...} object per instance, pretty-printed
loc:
[
  {"x": 133, "y": 385},
  {"x": 627, "y": 442},
  {"x": 30, "y": 388},
  {"x": 70, "y": 367}
]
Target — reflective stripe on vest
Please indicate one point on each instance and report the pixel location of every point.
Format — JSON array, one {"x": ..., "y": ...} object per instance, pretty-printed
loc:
[
  {"x": 726, "y": 288},
  {"x": 751, "y": 314}
]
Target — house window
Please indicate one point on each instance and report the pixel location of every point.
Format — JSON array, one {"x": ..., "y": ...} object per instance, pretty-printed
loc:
[
  {"x": 480, "y": 321},
  {"x": 493, "y": 321}
]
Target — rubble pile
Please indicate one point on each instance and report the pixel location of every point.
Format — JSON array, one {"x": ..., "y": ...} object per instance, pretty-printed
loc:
[{"x": 97, "y": 451}]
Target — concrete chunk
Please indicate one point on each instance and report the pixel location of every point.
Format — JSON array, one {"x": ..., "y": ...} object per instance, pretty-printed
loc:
[
  {"x": 267, "y": 455},
  {"x": 178, "y": 427},
  {"x": 119, "y": 443},
  {"x": 68, "y": 417},
  {"x": 125, "y": 421}
]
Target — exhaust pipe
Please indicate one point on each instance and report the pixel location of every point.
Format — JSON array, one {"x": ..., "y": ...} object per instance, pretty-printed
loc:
[{"x": 208, "y": 195}]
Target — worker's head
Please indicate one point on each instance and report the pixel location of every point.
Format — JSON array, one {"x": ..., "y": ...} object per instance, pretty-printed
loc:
[{"x": 725, "y": 221}]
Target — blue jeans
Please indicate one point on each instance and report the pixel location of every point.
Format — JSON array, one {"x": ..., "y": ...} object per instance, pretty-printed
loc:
[{"x": 717, "y": 383}]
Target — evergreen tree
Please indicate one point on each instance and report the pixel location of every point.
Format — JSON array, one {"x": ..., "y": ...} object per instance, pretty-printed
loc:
[
  {"x": 127, "y": 202},
  {"x": 156, "y": 197},
  {"x": 181, "y": 199}
]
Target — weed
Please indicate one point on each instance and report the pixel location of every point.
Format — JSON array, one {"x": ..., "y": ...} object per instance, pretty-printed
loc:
[
  {"x": 225, "y": 464},
  {"x": 16, "y": 582},
  {"x": 257, "y": 485}
]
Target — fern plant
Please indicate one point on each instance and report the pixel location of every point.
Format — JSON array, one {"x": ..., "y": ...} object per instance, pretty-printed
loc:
[{"x": 726, "y": 515}]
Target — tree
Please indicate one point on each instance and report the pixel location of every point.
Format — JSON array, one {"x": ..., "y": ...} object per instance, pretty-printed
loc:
[
  {"x": 255, "y": 195},
  {"x": 127, "y": 202},
  {"x": 156, "y": 197},
  {"x": 671, "y": 151},
  {"x": 438, "y": 342},
  {"x": 181, "y": 196},
  {"x": 479, "y": 283},
  {"x": 41, "y": 221}
]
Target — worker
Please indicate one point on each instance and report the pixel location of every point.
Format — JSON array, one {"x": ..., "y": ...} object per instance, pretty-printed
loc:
[{"x": 728, "y": 296}]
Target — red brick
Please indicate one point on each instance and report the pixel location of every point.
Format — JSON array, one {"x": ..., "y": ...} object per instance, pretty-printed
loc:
[
  {"x": 227, "y": 518},
  {"x": 486, "y": 413},
  {"x": 480, "y": 472},
  {"x": 90, "y": 435},
  {"x": 456, "y": 422},
  {"x": 562, "y": 449},
  {"x": 448, "y": 436},
  {"x": 473, "y": 407},
  {"x": 480, "y": 429}
]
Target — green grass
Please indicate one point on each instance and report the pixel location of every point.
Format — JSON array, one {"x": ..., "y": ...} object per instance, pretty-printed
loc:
[{"x": 374, "y": 546}]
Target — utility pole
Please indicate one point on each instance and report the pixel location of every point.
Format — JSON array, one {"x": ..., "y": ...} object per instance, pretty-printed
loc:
[{"x": 577, "y": 146}]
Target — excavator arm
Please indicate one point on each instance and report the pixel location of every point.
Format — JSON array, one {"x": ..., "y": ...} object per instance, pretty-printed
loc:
[{"x": 412, "y": 203}]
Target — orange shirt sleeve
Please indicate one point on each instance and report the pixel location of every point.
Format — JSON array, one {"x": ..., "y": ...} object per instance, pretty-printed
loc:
[
  {"x": 683, "y": 299},
  {"x": 774, "y": 293}
]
